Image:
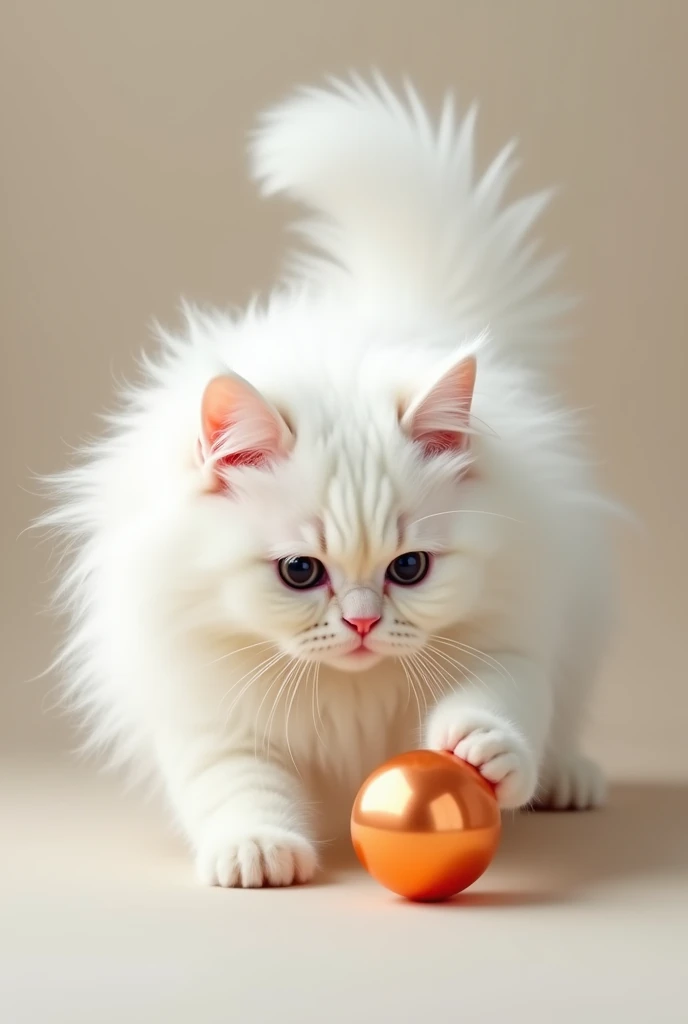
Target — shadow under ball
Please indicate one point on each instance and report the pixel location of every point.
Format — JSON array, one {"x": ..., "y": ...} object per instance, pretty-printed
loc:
[{"x": 426, "y": 825}]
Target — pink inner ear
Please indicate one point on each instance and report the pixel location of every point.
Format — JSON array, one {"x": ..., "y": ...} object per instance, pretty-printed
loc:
[
  {"x": 244, "y": 458},
  {"x": 248, "y": 457},
  {"x": 239, "y": 428},
  {"x": 440, "y": 441},
  {"x": 438, "y": 418}
]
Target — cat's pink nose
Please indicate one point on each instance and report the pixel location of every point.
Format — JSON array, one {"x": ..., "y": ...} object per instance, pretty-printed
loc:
[{"x": 362, "y": 624}]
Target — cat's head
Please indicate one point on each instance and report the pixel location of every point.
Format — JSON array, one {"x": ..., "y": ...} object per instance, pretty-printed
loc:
[{"x": 341, "y": 538}]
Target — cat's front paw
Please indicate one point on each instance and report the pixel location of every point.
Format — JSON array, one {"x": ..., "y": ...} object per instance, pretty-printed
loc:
[
  {"x": 493, "y": 746},
  {"x": 255, "y": 858}
]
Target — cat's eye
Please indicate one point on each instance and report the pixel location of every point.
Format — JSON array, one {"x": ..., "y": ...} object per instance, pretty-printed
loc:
[
  {"x": 301, "y": 572},
  {"x": 409, "y": 568}
]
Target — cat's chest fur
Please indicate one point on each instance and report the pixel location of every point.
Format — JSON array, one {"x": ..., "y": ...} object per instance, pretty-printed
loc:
[{"x": 336, "y": 729}]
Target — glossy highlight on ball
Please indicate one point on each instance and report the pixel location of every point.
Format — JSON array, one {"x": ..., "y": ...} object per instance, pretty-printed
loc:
[{"x": 425, "y": 825}]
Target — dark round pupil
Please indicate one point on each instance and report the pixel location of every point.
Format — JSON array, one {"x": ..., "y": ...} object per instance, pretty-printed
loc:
[
  {"x": 408, "y": 566},
  {"x": 300, "y": 570}
]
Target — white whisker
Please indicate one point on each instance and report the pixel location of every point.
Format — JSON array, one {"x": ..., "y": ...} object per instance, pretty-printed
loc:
[
  {"x": 294, "y": 688},
  {"x": 315, "y": 704},
  {"x": 429, "y": 659},
  {"x": 286, "y": 685},
  {"x": 265, "y": 696},
  {"x": 426, "y": 673},
  {"x": 467, "y": 673},
  {"x": 249, "y": 647},
  {"x": 483, "y": 656},
  {"x": 459, "y": 511},
  {"x": 417, "y": 676},
  {"x": 278, "y": 679},
  {"x": 400, "y": 661},
  {"x": 254, "y": 668},
  {"x": 447, "y": 681},
  {"x": 253, "y": 676},
  {"x": 412, "y": 689}
]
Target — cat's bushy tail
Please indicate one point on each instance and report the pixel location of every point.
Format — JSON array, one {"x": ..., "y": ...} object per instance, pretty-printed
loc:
[{"x": 398, "y": 207}]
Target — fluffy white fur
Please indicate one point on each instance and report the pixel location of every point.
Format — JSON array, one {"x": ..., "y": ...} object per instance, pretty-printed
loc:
[{"x": 340, "y": 429}]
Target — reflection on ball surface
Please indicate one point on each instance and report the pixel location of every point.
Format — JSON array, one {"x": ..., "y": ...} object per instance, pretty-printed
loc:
[{"x": 425, "y": 825}]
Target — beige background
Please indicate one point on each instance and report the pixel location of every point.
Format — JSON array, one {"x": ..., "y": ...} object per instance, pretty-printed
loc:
[{"x": 124, "y": 187}]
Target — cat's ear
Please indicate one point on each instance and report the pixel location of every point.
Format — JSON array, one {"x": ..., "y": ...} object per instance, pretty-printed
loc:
[
  {"x": 439, "y": 416},
  {"x": 238, "y": 428}
]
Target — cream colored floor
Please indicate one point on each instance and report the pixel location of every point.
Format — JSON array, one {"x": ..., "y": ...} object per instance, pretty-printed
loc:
[{"x": 582, "y": 918}]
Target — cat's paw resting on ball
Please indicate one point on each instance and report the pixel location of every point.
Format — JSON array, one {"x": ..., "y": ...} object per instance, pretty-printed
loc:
[{"x": 493, "y": 746}]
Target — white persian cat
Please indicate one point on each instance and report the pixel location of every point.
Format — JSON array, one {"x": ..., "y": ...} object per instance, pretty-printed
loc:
[{"x": 353, "y": 520}]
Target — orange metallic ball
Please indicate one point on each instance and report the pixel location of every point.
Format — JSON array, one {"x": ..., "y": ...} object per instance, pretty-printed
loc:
[{"x": 425, "y": 825}]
